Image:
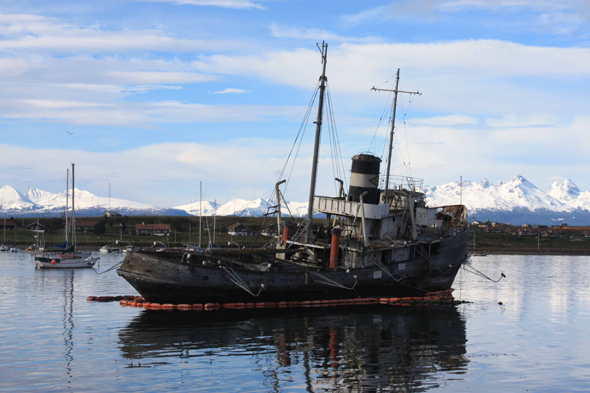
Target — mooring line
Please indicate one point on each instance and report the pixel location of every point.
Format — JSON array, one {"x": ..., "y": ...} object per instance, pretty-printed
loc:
[
  {"x": 118, "y": 264},
  {"x": 233, "y": 277},
  {"x": 329, "y": 281},
  {"x": 480, "y": 274}
]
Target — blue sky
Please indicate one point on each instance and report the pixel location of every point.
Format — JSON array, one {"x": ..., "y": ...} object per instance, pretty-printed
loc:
[{"x": 159, "y": 94}]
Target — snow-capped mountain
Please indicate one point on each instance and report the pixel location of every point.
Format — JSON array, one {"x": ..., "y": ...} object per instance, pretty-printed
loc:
[
  {"x": 40, "y": 197},
  {"x": 517, "y": 193},
  {"x": 517, "y": 201},
  {"x": 567, "y": 191},
  {"x": 10, "y": 198},
  {"x": 244, "y": 208},
  {"x": 194, "y": 209},
  {"x": 36, "y": 202}
]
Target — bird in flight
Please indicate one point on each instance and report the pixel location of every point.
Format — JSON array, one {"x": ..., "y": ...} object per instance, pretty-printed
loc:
[{"x": 70, "y": 133}]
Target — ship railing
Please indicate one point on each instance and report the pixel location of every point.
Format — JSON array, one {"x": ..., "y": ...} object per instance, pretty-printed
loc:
[{"x": 396, "y": 182}]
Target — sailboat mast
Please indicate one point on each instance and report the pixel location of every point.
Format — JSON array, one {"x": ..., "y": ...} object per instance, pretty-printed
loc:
[
  {"x": 316, "y": 148},
  {"x": 67, "y": 201},
  {"x": 73, "y": 210}
]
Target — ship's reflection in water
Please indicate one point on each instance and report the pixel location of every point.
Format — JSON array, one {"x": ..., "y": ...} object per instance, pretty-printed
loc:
[{"x": 378, "y": 349}]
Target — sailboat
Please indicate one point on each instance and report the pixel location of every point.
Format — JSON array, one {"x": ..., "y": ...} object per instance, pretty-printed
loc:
[
  {"x": 378, "y": 240},
  {"x": 15, "y": 247},
  {"x": 62, "y": 256}
]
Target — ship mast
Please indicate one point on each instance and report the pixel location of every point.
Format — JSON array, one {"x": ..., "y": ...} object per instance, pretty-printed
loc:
[
  {"x": 316, "y": 148},
  {"x": 392, "y": 131}
]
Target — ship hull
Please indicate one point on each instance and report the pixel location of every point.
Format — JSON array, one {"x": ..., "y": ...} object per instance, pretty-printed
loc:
[{"x": 173, "y": 279}]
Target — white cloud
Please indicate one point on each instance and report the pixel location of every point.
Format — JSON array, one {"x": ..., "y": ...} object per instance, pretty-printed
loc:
[
  {"x": 237, "y": 4},
  {"x": 420, "y": 9},
  {"x": 530, "y": 120},
  {"x": 557, "y": 17},
  {"x": 477, "y": 77},
  {"x": 519, "y": 4},
  {"x": 33, "y": 33},
  {"x": 145, "y": 77},
  {"x": 141, "y": 115},
  {"x": 445, "y": 120},
  {"x": 279, "y": 31},
  {"x": 230, "y": 90},
  {"x": 155, "y": 173}
]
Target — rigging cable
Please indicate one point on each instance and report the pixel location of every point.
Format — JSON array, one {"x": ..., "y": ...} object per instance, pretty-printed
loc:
[
  {"x": 337, "y": 157},
  {"x": 295, "y": 147},
  {"x": 383, "y": 114}
]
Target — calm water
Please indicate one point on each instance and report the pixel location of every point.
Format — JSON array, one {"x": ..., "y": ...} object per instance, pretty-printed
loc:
[{"x": 538, "y": 339}]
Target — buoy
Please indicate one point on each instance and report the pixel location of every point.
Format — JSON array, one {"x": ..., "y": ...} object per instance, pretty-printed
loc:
[
  {"x": 168, "y": 306},
  {"x": 53, "y": 262},
  {"x": 234, "y": 306},
  {"x": 209, "y": 307}
]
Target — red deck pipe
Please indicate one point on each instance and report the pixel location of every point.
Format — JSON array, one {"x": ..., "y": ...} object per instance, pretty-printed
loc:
[
  {"x": 334, "y": 248},
  {"x": 285, "y": 234}
]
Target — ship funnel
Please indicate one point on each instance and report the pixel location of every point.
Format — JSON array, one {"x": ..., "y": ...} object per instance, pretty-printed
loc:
[{"x": 365, "y": 177}]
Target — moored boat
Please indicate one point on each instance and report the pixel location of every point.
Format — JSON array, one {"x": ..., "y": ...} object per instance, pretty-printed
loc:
[
  {"x": 59, "y": 257},
  {"x": 378, "y": 240}
]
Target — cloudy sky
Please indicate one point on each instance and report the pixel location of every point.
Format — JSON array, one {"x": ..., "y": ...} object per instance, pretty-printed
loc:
[{"x": 154, "y": 96}]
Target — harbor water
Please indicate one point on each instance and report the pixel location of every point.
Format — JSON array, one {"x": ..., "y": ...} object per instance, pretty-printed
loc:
[{"x": 528, "y": 332}]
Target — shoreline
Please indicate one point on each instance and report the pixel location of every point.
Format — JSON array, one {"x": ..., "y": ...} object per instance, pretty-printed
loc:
[{"x": 533, "y": 251}]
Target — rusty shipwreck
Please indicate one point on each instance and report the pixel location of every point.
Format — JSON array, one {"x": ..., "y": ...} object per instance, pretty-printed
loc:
[{"x": 380, "y": 239}]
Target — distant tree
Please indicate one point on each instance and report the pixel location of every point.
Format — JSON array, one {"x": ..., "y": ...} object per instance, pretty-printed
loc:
[{"x": 99, "y": 228}]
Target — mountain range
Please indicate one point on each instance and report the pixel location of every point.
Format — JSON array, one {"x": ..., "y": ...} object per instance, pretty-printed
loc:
[{"x": 517, "y": 201}]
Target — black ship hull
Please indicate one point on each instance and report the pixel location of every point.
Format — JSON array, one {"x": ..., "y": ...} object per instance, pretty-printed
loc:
[{"x": 210, "y": 278}]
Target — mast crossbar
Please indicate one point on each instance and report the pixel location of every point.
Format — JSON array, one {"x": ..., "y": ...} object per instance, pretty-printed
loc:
[{"x": 391, "y": 133}]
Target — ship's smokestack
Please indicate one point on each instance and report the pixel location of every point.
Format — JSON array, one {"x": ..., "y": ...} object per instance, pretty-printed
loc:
[{"x": 365, "y": 177}]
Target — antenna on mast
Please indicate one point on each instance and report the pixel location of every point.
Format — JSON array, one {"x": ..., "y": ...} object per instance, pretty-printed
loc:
[{"x": 392, "y": 132}]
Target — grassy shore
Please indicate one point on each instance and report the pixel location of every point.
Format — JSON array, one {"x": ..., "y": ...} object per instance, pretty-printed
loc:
[
  {"x": 185, "y": 230},
  {"x": 574, "y": 243}
]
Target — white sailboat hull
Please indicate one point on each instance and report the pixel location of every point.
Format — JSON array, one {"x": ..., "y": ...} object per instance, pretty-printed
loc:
[{"x": 67, "y": 263}]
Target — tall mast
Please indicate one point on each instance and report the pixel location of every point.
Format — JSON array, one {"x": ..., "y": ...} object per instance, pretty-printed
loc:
[
  {"x": 67, "y": 202},
  {"x": 73, "y": 211},
  {"x": 316, "y": 148},
  {"x": 392, "y": 131},
  {"x": 214, "y": 219}
]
